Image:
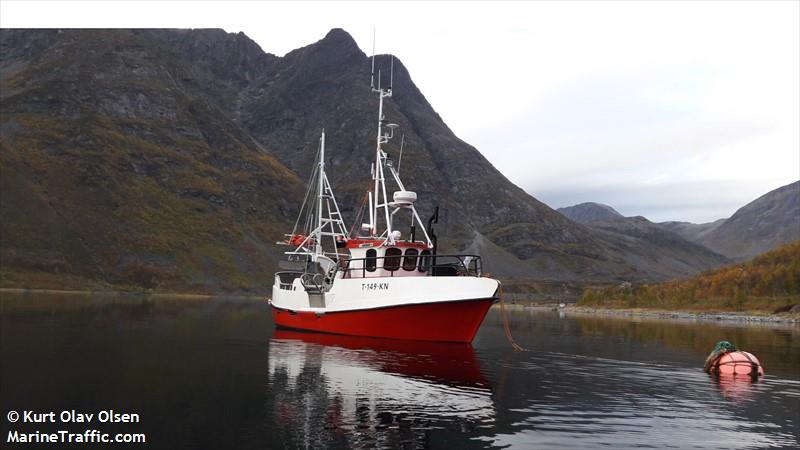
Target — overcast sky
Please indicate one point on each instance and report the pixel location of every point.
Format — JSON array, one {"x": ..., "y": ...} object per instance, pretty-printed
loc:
[{"x": 671, "y": 110}]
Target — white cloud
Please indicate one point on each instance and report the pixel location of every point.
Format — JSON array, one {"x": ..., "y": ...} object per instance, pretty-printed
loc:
[{"x": 574, "y": 101}]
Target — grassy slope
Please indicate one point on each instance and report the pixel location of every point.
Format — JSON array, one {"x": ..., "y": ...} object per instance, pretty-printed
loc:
[
  {"x": 767, "y": 283},
  {"x": 104, "y": 192}
]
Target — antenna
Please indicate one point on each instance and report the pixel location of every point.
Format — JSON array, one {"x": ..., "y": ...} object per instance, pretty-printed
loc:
[
  {"x": 391, "y": 73},
  {"x": 372, "y": 75}
]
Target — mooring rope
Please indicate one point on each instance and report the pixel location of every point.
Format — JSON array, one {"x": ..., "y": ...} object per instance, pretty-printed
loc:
[{"x": 507, "y": 329}]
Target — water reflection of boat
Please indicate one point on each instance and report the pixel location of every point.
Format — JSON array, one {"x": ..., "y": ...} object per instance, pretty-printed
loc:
[{"x": 325, "y": 384}]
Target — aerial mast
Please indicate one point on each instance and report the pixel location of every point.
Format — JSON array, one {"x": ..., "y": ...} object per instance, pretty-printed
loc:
[
  {"x": 379, "y": 192},
  {"x": 379, "y": 196}
]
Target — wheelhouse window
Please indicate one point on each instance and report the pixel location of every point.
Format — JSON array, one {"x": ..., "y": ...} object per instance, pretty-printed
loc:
[
  {"x": 370, "y": 263},
  {"x": 392, "y": 260},
  {"x": 424, "y": 261},
  {"x": 410, "y": 260}
]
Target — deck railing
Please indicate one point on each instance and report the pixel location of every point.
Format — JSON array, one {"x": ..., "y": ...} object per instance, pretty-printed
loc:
[
  {"x": 286, "y": 279},
  {"x": 429, "y": 265},
  {"x": 420, "y": 265}
]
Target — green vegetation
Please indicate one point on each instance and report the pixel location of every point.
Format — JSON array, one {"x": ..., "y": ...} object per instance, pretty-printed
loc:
[
  {"x": 766, "y": 284},
  {"x": 125, "y": 213}
]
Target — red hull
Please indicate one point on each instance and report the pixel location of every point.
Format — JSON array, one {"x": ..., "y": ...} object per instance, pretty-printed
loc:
[{"x": 442, "y": 322}]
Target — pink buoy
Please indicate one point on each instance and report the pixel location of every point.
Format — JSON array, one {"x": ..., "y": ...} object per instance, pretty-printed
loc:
[{"x": 738, "y": 363}]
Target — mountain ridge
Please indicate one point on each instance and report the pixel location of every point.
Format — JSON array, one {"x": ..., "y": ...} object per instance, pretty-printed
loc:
[
  {"x": 771, "y": 220},
  {"x": 589, "y": 212},
  {"x": 763, "y": 224}
]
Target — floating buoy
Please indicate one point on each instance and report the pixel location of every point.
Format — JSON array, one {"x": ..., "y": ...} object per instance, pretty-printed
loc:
[
  {"x": 738, "y": 363},
  {"x": 727, "y": 359}
]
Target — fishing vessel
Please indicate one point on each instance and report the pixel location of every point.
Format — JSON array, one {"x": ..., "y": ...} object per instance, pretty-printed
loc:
[{"x": 385, "y": 277}]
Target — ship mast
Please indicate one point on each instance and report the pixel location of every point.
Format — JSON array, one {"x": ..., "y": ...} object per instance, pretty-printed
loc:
[
  {"x": 380, "y": 157},
  {"x": 378, "y": 198},
  {"x": 323, "y": 219}
]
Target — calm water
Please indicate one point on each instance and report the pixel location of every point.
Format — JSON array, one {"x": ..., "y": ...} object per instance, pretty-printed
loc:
[{"x": 216, "y": 374}]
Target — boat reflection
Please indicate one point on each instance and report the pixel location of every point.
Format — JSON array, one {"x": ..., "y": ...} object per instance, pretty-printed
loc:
[{"x": 391, "y": 392}]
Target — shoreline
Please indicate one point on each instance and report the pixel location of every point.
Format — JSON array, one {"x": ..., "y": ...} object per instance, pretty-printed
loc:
[
  {"x": 699, "y": 316},
  {"x": 568, "y": 308},
  {"x": 696, "y": 316},
  {"x": 111, "y": 293}
]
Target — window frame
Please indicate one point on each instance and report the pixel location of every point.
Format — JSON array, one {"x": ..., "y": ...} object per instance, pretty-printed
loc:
[
  {"x": 392, "y": 259},
  {"x": 371, "y": 260},
  {"x": 425, "y": 259},
  {"x": 410, "y": 260}
]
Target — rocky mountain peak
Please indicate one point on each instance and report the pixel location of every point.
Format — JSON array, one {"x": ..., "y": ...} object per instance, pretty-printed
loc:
[
  {"x": 336, "y": 46},
  {"x": 590, "y": 212},
  {"x": 339, "y": 35}
]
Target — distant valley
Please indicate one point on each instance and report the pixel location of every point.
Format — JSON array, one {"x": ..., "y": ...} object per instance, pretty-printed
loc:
[{"x": 762, "y": 225}]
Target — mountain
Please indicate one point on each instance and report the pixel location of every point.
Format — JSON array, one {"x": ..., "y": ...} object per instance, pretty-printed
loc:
[
  {"x": 670, "y": 248},
  {"x": 517, "y": 234},
  {"x": 589, "y": 212},
  {"x": 325, "y": 85},
  {"x": 763, "y": 224},
  {"x": 173, "y": 159},
  {"x": 760, "y": 226},
  {"x": 692, "y": 231},
  {"x": 116, "y": 170}
]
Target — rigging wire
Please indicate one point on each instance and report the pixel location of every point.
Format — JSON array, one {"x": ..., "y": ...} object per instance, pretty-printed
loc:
[
  {"x": 307, "y": 196},
  {"x": 359, "y": 216},
  {"x": 400, "y": 159}
]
